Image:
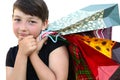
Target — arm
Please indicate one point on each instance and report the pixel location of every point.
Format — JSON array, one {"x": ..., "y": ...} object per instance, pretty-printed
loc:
[
  {"x": 18, "y": 72},
  {"x": 58, "y": 65},
  {"x": 26, "y": 47}
]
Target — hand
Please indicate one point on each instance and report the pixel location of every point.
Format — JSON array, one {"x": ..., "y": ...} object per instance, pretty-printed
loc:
[
  {"x": 40, "y": 44},
  {"x": 27, "y": 45}
]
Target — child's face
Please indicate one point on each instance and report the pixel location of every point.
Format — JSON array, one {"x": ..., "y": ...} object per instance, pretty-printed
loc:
[{"x": 24, "y": 25}]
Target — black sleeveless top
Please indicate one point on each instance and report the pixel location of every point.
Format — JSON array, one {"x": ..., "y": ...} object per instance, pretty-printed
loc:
[{"x": 43, "y": 54}]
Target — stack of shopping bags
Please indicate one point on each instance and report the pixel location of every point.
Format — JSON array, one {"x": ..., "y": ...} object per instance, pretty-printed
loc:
[
  {"x": 88, "y": 31},
  {"x": 93, "y": 57}
]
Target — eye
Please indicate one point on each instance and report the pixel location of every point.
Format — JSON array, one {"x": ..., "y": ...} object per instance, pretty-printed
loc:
[
  {"x": 31, "y": 21},
  {"x": 17, "y": 20}
]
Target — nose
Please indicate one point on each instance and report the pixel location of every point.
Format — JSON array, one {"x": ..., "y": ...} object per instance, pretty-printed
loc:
[{"x": 23, "y": 26}]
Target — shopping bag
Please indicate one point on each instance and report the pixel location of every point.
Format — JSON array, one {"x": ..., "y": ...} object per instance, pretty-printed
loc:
[
  {"x": 116, "y": 52},
  {"x": 104, "y": 45},
  {"x": 102, "y": 67},
  {"x": 81, "y": 69},
  {"x": 105, "y": 33},
  {"x": 93, "y": 17}
]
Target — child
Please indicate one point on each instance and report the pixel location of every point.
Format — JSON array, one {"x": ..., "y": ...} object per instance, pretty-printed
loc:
[{"x": 34, "y": 59}]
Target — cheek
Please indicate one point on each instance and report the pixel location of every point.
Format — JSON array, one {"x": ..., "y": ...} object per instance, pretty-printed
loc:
[
  {"x": 15, "y": 29},
  {"x": 35, "y": 31}
]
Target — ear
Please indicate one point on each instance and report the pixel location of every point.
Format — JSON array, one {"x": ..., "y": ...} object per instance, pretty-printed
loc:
[{"x": 45, "y": 24}]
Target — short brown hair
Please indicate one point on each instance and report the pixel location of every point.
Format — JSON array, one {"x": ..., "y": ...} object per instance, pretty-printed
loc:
[{"x": 33, "y": 7}]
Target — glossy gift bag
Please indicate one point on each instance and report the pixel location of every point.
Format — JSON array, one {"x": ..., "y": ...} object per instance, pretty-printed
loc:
[{"x": 93, "y": 17}]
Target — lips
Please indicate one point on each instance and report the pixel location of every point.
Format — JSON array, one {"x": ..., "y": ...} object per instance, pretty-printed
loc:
[{"x": 23, "y": 34}]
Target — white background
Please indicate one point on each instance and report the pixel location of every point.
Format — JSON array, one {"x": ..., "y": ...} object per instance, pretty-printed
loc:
[{"x": 57, "y": 8}]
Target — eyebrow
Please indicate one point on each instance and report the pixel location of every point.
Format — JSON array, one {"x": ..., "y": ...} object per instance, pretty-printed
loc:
[
  {"x": 14, "y": 15},
  {"x": 29, "y": 17}
]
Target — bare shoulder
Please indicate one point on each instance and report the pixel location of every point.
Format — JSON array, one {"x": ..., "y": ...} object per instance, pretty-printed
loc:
[
  {"x": 59, "y": 52},
  {"x": 59, "y": 62}
]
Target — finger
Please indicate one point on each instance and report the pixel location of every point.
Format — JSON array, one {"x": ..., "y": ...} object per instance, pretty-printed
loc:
[
  {"x": 20, "y": 38},
  {"x": 34, "y": 43},
  {"x": 41, "y": 42},
  {"x": 38, "y": 38},
  {"x": 30, "y": 36},
  {"x": 44, "y": 40}
]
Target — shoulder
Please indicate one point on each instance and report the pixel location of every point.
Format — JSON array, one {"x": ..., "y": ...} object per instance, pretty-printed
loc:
[
  {"x": 13, "y": 50},
  {"x": 48, "y": 48},
  {"x": 59, "y": 51},
  {"x": 59, "y": 62},
  {"x": 11, "y": 55},
  {"x": 52, "y": 46}
]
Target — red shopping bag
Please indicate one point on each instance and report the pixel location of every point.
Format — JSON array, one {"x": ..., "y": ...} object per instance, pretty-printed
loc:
[
  {"x": 81, "y": 69},
  {"x": 102, "y": 67}
]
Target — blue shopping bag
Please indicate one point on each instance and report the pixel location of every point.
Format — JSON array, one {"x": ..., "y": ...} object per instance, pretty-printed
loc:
[{"x": 93, "y": 17}]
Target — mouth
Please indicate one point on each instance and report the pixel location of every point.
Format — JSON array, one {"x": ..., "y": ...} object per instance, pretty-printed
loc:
[{"x": 23, "y": 34}]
